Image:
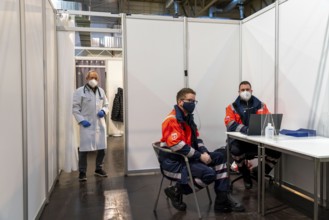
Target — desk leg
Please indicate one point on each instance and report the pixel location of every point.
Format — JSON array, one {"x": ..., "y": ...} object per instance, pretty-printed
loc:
[
  {"x": 316, "y": 171},
  {"x": 327, "y": 185},
  {"x": 321, "y": 184},
  {"x": 259, "y": 178},
  {"x": 280, "y": 172},
  {"x": 263, "y": 180}
]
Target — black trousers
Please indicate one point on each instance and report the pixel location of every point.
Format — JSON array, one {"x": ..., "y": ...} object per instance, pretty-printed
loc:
[
  {"x": 242, "y": 150},
  {"x": 83, "y": 160}
]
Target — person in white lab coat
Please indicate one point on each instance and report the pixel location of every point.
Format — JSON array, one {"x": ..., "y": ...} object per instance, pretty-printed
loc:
[{"x": 90, "y": 105}]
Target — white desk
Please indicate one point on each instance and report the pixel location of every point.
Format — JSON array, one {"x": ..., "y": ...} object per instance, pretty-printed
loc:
[{"x": 315, "y": 149}]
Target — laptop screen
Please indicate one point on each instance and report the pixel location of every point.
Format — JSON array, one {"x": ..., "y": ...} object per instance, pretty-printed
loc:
[{"x": 258, "y": 122}]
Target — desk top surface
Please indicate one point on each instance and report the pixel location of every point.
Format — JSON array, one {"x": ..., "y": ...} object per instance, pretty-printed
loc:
[{"x": 317, "y": 146}]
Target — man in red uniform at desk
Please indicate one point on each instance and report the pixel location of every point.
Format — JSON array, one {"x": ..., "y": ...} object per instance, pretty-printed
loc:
[
  {"x": 237, "y": 119},
  {"x": 180, "y": 134}
]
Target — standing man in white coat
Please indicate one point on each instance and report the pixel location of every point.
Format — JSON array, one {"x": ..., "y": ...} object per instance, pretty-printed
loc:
[{"x": 90, "y": 105}]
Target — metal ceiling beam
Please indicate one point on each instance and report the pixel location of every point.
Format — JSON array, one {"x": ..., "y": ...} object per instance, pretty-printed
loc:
[
  {"x": 206, "y": 7},
  {"x": 84, "y": 29},
  {"x": 91, "y": 13},
  {"x": 169, "y": 3}
]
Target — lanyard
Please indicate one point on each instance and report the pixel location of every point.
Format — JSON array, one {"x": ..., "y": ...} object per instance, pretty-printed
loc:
[{"x": 99, "y": 93}]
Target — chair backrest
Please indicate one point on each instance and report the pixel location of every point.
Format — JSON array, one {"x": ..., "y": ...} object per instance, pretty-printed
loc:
[
  {"x": 163, "y": 151},
  {"x": 156, "y": 148}
]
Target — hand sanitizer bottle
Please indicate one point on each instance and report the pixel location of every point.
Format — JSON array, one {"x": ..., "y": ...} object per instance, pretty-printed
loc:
[{"x": 269, "y": 131}]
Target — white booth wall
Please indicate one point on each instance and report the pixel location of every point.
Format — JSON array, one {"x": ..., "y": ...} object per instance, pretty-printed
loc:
[
  {"x": 303, "y": 71},
  {"x": 303, "y": 77},
  {"x": 26, "y": 63},
  {"x": 213, "y": 64},
  {"x": 35, "y": 107},
  {"x": 155, "y": 73},
  {"x": 258, "y": 55},
  {"x": 11, "y": 187}
]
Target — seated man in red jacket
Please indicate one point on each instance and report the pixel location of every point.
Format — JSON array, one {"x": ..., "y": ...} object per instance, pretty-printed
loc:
[
  {"x": 180, "y": 134},
  {"x": 237, "y": 119}
]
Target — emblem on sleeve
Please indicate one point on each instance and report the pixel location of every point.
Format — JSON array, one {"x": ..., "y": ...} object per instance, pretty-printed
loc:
[{"x": 174, "y": 136}]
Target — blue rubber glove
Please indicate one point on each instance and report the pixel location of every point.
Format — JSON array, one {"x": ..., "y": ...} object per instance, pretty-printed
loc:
[
  {"x": 85, "y": 123},
  {"x": 101, "y": 114}
]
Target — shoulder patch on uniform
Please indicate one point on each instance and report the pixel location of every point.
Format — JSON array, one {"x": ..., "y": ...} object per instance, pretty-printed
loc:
[
  {"x": 174, "y": 136},
  {"x": 227, "y": 117}
]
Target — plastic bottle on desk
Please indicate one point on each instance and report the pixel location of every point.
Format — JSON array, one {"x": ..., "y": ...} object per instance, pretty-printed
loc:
[{"x": 269, "y": 131}]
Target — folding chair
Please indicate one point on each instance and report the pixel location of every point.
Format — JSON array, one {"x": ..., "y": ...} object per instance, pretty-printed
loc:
[{"x": 157, "y": 149}]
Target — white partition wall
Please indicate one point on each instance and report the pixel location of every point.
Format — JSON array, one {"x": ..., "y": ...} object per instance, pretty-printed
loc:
[
  {"x": 258, "y": 55},
  {"x": 213, "y": 64},
  {"x": 35, "y": 107},
  {"x": 303, "y": 76},
  {"x": 154, "y": 74},
  {"x": 304, "y": 61},
  {"x": 26, "y": 73},
  {"x": 303, "y": 71},
  {"x": 11, "y": 186}
]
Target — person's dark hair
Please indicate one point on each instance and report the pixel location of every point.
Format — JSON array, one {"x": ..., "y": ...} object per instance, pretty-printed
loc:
[
  {"x": 244, "y": 83},
  {"x": 182, "y": 93}
]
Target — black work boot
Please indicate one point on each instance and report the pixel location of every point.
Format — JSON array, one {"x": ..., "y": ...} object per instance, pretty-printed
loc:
[
  {"x": 268, "y": 169},
  {"x": 245, "y": 172},
  {"x": 225, "y": 203},
  {"x": 176, "y": 197},
  {"x": 254, "y": 171}
]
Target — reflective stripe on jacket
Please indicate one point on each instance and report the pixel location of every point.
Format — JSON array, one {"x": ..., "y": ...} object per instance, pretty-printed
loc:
[
  {"x": 237, "y": 113},
  {"x": 177, "y": 135}
]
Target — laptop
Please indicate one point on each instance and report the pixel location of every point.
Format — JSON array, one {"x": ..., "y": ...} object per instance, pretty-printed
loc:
[{"x": 258, "y": 123}]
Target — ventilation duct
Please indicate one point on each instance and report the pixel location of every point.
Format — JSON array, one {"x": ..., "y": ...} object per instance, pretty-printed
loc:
[{"x": 229, "y": 7}]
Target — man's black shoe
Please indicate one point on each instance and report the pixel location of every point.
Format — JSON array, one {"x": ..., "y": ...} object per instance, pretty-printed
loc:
[
  {"x": 247, "y": 181},
  {"x": 225, "y": 203},
  {"x": 254, "y": 172},
  {"x": 82, "y": 177},
  {"x": 176, "y": 198},
  {"x": 101, "y": 173}
]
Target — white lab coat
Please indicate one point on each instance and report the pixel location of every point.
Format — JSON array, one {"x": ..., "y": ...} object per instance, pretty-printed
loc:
[{"x": 86, "y": 105}]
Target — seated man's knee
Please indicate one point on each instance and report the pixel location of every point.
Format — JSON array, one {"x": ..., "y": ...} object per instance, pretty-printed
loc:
[
  {"x": 235, "y": 150},
  {"x": 209, "y": 177},
  {"x": 218, "y": 157}
]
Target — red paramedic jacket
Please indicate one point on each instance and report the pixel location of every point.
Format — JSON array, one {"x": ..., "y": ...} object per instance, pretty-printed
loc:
[{"x": 177, "y": 135}]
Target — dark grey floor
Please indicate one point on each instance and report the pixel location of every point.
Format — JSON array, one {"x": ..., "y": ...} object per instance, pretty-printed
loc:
[{"x": 120, "y": 197}]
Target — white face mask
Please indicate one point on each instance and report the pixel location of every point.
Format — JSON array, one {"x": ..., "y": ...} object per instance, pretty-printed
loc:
[
  {"x": 245, "y": 95},
  {"x": 93, "y": 83}
]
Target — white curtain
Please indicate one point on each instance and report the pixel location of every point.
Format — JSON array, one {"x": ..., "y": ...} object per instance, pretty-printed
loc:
[{"x": 68, "y": 144}]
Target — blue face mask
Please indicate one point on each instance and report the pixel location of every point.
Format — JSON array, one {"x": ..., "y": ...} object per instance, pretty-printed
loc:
[{"x": 189, "y": 106}]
